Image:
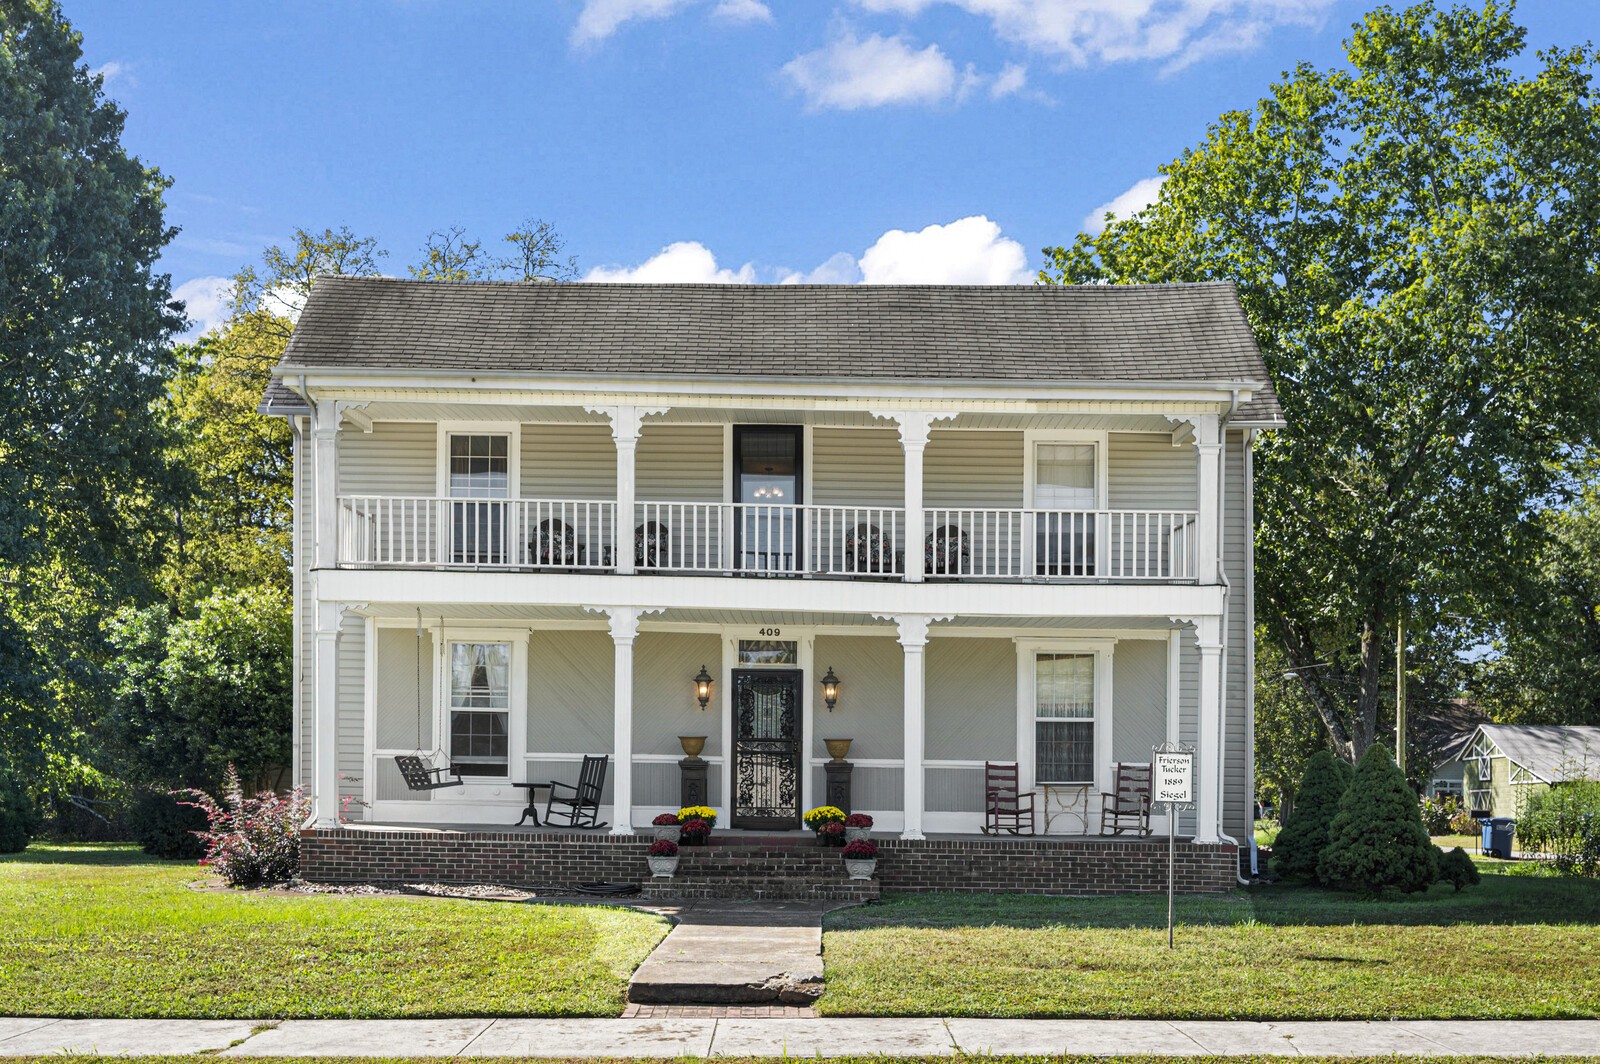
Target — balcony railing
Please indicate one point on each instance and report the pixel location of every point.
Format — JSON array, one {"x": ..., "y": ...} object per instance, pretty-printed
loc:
[{"x": 764, "y": 539}]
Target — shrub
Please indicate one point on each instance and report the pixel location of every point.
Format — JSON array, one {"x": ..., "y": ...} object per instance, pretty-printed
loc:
[
  {"x": 1438, "y": 814},
  {"x": 251, "y": 840},
  {"x": 698, "y": 812},
  {"x": 861, "y": 850},
  {"x": 663, "y": 848},
  {"x": 858, "y": 820},
  {"x": 1300, "y": 843},
  {"x": 823, "y": 814},
  {"x": 1464, "y": 823},
  {"x": 665, "y": 820},
  {"x": 1377, "y": 841},
  {"x": 166, "y": 827},
  {"x": 18, "y": 817},
  {"x": 1564, "y": 822},
  {"x": 1456, "y": 868}
]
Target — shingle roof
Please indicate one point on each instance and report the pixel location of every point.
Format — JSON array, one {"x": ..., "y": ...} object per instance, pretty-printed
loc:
[
  {"x": 1551, "y": 752},
  {"x": 1192, "y": 333}
]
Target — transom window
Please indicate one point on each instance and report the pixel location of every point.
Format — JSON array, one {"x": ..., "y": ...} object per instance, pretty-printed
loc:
[
  {"x": 768, "y": 652},
  {"x": 1064, "y": 699},
  {"x": 480, "y": 700}
]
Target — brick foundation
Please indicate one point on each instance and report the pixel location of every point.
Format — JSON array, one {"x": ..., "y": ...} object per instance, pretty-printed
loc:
[{"x": 788, "y": 866}]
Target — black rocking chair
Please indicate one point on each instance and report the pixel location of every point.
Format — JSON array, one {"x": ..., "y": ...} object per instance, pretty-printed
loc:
[
  {"x": 1004, "y": 809},
  {"x": 581, "y": 807},
  {"x": 421, "y": 776}
]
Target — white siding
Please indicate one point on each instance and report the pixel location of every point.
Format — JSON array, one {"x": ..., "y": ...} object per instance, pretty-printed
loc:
[
  {"x": 1138, "y": 698},
  {"x": 857, "y": 467},
  {"x": 1145, "y": 472},
  {"x": 871, "y": 697},
  {"x": 304, "y": 689},
  {"x": 400, "y": 660},
  {"x": 971, "y": 700},
  {"x": 664, "y": 706},
  {"x": 568, "y": 462},
  {"x": 982, "y": 470},
  {"x": 569, "y": 692},
  {"x": 1237, "y": 802},
  {"x": 395, "y": 458},
  {"x": 351, "y": 712},
  {"x": 679, "y": 463}
]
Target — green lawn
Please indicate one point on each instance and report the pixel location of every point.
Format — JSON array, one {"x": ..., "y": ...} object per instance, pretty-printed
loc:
[
  {"x": 1516, "y": 946},
  {"x": 105, "y": 931}
]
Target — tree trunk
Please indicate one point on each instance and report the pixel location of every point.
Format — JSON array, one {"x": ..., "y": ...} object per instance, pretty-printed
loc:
[
  {"x": 1302, "y": 655},
  {"x": 1373, "y": 637}
]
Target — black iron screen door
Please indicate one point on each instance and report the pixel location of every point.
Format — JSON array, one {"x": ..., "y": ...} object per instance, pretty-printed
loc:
[{"x": 766, "y": 748}]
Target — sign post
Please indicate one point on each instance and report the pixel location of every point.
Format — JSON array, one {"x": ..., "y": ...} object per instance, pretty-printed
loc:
[{"x": 1173, "y": 783}]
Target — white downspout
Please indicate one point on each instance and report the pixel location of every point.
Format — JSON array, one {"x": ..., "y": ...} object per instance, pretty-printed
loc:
[
  {"x": 1250, "y": 637},
  {"x": 1227, "y": 598}
]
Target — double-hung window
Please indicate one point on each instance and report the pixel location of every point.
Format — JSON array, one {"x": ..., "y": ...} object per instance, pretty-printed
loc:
[
  {"x": 480, "y": 705},
  {"x": 480, "y": 485},
  {"x": 1064, "y": 711},
  {"x": 1065, "y": 498}
]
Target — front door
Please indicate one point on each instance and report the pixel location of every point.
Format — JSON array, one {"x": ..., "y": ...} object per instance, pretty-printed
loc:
[{"x": 766, "y": 748}]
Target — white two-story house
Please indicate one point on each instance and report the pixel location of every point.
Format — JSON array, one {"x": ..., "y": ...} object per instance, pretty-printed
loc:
[{"x": 1012, "y": 523}]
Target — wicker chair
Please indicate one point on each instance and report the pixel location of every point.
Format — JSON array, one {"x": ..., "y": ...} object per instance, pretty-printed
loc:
[{"x": 946, "y": 550}]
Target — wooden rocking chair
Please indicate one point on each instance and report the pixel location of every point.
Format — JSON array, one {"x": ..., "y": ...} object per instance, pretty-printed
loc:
[
  {"x": 581, "y": 807},
  {"x": 1127, "y": 806},
  {"x": 1003, "y": 808}
]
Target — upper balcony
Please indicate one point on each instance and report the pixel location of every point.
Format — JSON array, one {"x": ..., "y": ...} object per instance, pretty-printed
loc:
[{"x": 762, "y": 539}]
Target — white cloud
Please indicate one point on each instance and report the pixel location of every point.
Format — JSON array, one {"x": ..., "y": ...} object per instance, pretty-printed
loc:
[
  {"x": 205, "y": 301},
  {"x": 1080, "y": 32},
  {"x": 1011, "y": 79},
  {"x": 1139, "y": 196},
  {"x": 742, "y": 11},
  {"x": 966, "y": 251},
  {"x": 113, "y": 72},
  {"x": 686, "y": 262},
  {"x": 599, "y": 19},
  {"x": 285, "y": 301},
  {"x": 851, "y": 73},
  {"x": 841, "y": 268}
]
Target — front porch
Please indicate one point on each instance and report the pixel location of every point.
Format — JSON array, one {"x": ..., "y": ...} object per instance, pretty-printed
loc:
[{"x": 762, "y": 865}]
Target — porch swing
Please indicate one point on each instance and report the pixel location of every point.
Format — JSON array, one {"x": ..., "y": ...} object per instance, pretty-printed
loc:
[{"x": 417, "y": 768}]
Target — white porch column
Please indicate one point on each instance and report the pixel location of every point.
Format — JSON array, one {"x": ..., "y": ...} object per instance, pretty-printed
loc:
[
  {"x": 624, "y": 629},
  {"x": 325, "y": 483},
  {"x": 913, "y": 633},
  {"x": 915, "y": 426},
  {"x": 1208, "y": 748},
  {"x": 625, "y": 425},
  {"x": 325, "y": 744},
  {"x": 1208, "y": 446}
]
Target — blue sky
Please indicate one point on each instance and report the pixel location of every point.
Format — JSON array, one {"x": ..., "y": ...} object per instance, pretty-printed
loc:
[{"x": 875, "y": 140}]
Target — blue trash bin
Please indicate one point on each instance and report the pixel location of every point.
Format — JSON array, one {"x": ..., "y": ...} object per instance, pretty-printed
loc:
[{"x": 1497, "y": 835}]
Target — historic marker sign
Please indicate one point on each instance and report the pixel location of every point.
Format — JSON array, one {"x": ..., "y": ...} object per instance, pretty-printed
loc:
[{"x": 1174, "y": 778}]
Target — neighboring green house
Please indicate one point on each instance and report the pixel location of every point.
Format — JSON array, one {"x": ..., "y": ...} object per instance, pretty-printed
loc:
[{"x": 1504, "y": 763}]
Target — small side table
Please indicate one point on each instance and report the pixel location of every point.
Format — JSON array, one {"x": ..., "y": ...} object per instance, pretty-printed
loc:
[
  {"x": 1069, "y": 799},
  {"x": 533, "y": 802}
]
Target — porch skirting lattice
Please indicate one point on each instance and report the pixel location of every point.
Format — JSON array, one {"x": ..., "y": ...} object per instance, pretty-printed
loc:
[{"x": 748, "y": 866}]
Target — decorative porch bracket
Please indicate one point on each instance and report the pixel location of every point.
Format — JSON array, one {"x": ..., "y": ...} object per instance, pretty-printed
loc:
[
  {"x": 913, "y": 633},
  {"x": 624, "y": 630}
]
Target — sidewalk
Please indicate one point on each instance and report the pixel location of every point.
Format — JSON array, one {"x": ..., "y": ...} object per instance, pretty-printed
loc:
[{"x": 796, "y": 1038}]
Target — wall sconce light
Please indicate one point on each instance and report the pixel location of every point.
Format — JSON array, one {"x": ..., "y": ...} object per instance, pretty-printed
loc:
[
  {"x": 702, "y": 688},
  {"x": 830, "y": 689}
]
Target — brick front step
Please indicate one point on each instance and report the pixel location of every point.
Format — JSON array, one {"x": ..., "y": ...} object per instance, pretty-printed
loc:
[
  {"x": 553, "y": 860},
  {"x": 763, "y": 888}
]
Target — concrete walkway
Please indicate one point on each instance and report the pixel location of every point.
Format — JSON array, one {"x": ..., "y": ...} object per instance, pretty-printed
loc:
[
  {"x": 730, "y": 953},
  {"x": 796, "y": 1038}
]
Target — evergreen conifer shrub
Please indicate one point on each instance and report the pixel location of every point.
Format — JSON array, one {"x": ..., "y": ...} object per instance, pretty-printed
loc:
[
  {"x": 1377, "y": 841},
  {"x": 1316, "y": 802},
  {"x": 18, "y": 818},
  {"x": 1456, "y": 868}
]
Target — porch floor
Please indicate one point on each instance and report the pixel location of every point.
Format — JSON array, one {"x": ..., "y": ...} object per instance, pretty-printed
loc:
[{"x": 737, "y": 836}]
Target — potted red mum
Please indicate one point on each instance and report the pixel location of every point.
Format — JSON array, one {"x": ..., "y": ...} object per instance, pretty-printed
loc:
[
  {"x": 663, "y": 858},
  {"x": 831, "y": 833},
  {"x": 694, "y": 832},
  {"x": 857, "y": 826},
  {"x": 666, "y": 826},
  {"x": 861, "y": 858}
]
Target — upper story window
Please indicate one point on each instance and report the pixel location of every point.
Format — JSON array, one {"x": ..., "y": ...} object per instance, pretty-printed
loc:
[
  {"x": 1064, "y": 476},
  {"x": 1065, "y": 486},
  {"x": 480, "y": 466}
]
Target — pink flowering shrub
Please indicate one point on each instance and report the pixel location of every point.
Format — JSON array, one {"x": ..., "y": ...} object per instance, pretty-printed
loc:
[{"x": 250, "y": 840}]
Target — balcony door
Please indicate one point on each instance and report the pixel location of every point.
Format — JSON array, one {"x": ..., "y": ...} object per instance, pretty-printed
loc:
[
  {"x": 1065, "y": 496},
  {"x": 767, "y": 465},
  {"x": 480, "y": 489}
]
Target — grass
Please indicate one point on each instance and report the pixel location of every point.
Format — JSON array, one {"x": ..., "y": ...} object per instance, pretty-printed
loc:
[
  {"x": 1053, "y": 1059},
  {"x": 105, "y": 931},
  {"x": 1516, "y": 946}
]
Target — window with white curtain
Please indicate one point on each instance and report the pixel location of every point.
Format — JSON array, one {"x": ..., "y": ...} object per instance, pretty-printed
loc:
[
  {"x": 480, "y": 700},
  {"x": 1064, "y": 476},
  {"x": 1064, "y": 698}
]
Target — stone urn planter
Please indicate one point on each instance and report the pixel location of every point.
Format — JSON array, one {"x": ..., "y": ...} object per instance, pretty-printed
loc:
[
  {"x": 663, "y": 858},
  {"x": 692, "y": 744},
  {"x": 857, "y": 826},
  {"x": 861, "y": 859},
  {"x": 838, "y": 749},
  {"x": 666, "y": 827}
]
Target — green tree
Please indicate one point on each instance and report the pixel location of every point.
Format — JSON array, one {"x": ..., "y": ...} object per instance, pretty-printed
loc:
[
  {"x": 1414, "y": 241},
  {"x": 1377, "y": 842},
  {"x": 84, "y": 328},
  {"x": 448, "y": 255},
  {"x": 209, "y": 689},
  {"x": 538, "y": 253},
  {"x": 1299, "y": 845},
  {"x": 1287, "y": 732}
]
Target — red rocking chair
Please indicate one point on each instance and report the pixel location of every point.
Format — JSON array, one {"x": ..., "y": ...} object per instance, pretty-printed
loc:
[
  {"x": 1004, "y": 809},
  {"x": 1127, "y": 807}
]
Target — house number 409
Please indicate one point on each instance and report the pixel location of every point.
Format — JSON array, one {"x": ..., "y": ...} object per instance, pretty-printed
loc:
[{"x": 771, "y": 632}]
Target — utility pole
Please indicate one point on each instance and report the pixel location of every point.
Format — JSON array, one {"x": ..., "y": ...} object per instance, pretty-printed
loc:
[{"x": 1400, "y": 692}]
